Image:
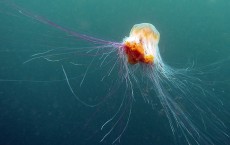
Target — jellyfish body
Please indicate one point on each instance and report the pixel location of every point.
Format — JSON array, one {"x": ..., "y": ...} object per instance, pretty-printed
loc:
[
  {"x": 141, "y": 48},
  {"x": 141, "y": 44}
]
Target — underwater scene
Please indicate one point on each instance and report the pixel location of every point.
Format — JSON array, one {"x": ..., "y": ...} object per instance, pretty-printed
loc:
[{"x": 103, "y": 72}]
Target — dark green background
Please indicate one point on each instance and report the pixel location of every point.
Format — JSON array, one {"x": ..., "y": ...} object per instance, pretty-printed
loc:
[{"x": 46, "y": 113}]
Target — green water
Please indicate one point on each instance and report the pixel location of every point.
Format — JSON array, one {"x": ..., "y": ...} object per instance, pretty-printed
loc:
[{"x": 34, "y": 112}]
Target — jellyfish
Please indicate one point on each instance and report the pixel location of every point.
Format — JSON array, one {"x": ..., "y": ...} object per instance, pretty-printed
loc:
[{"x": 191, "y": 108}]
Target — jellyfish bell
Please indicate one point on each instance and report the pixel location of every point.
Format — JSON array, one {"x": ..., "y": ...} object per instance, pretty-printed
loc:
[{"x": 142, "y": 44}]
